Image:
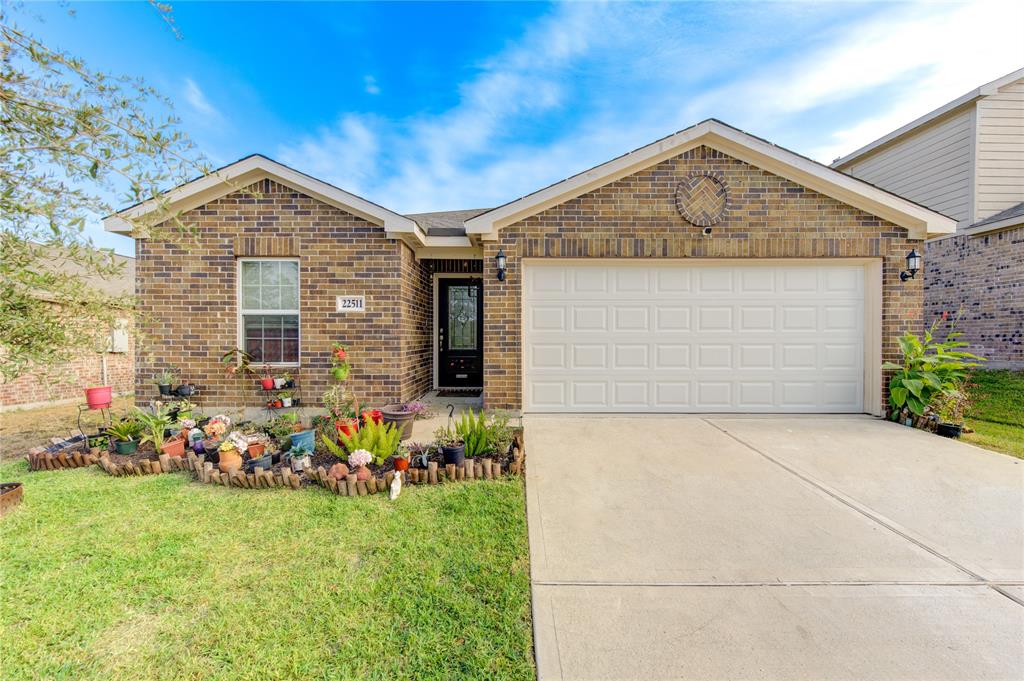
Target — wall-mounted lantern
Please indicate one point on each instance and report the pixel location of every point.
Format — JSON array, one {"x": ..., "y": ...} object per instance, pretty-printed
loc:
[
  {"x": 913, "y": 265},
  {"x": 499, "y": 261}
]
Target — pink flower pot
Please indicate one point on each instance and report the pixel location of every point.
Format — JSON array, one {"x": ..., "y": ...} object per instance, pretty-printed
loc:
[{"x": 99, "y": 398}]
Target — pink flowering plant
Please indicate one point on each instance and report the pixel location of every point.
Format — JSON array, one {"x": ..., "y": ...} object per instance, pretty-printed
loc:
[{"x": 359, "y": 458}]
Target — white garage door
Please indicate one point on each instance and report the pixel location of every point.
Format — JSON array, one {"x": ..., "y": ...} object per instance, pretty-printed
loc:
[{"x": 606, "y": 336}]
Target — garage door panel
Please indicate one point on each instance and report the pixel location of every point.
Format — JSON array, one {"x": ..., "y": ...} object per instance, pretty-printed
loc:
[{"x": 678, "y": 338}]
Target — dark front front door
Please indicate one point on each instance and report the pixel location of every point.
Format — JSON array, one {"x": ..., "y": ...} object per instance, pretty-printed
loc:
[{"x": 460, "y": 333}]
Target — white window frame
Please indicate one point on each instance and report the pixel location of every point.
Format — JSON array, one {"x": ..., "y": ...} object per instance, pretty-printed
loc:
[{"x": 240, "y": 312}]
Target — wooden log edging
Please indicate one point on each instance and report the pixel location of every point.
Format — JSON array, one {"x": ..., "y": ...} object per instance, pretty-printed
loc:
[{"x": 41, "y": 460}]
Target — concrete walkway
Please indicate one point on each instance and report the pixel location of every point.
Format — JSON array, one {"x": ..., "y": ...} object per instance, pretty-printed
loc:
[{"x": 771, "y": 547}]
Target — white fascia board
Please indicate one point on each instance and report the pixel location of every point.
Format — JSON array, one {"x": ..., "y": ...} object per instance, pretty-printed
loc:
[
  {"x": 998, "y": 226},
  {"x": 487, "y": 224},
  {"x": 918, "y": 220},
  {"x": 228, "y": 179}
]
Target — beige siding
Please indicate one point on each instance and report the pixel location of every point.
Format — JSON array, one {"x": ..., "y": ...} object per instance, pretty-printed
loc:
[
  {"x": 1000, "y": 169},
  {"x": 932, "y": 166}
]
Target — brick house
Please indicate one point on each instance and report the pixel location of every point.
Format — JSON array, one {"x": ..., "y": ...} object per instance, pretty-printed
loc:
[
  {"x": 67, "y": 383},
  {"x": 707, "y": 271},
  {"x": 966, "y": 160}
]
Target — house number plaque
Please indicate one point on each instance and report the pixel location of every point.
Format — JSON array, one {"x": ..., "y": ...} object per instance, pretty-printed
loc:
[{"x": 351, "y": 304}]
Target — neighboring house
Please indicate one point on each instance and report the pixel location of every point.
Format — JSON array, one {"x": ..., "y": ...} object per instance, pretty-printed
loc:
[
  {"x": 966, "y": 160},
  {"x": 709, "y": 271},
  {"x": 67, "y": 383}
]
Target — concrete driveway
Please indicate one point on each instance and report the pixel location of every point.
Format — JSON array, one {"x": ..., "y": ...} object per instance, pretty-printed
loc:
[{"x": 772, "y": 547}]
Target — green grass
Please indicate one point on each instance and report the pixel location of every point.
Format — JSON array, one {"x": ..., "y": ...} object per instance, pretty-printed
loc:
[
  {"x": 157, "y": 577},
  {"x": 997, "y": 416}
]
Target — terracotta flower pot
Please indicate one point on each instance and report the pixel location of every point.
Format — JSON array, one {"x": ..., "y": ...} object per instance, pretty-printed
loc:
[
  {"x": 401, "y": 464},
  {"x": 363, "y": 473},
  {"x": 175, "y": 447},
  {"x": 267, "y": 383},
  {"x": 256, "y": 450},
  {"x": 99, "y": 398},
  {"x": 347, "y": 427},
  {"x": 229, "y": 458}
]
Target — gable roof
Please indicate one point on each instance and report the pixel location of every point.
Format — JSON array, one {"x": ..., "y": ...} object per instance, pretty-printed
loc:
[
  {"x": 1004, "y": 219},
  {"x": 949, "y": 107},
  {"x": 245, "y": 171},
  {"x": 919, "y": 221}
]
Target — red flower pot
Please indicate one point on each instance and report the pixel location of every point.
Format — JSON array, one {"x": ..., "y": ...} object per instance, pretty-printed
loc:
[
  {"x": 175, "y": 447},
  {"x": 99, "y": 398},
  {"x": 267, "y": 383},
  {"x": 401, "y": 464},
  {"x": 375, "y": 415},
  {"x": 347, "y": 427}
]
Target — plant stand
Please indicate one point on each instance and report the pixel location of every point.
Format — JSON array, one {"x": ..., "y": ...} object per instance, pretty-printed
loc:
[{"x": 105, "y": 417}]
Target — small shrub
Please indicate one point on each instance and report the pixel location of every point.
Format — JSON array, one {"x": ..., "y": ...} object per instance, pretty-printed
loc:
[{"x": 380, "y": 439}]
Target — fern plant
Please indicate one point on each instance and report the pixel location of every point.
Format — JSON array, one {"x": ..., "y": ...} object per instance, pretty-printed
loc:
[
  {"x": 380, "y": 439},
  {"x": 483, "y": 433}
]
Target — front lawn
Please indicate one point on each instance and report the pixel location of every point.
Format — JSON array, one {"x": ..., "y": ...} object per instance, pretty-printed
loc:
[
  {"x": 158, "y": 577},
  {"x": 997, "y": 416}
]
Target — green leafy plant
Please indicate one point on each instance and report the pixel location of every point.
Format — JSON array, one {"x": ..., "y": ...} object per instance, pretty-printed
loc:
[
  {"x": 153, "y": 426},
  {"x": 339, "y": 362},
  {"x": 930, "y": 368},
  {"x": 100, "y": 442},
  {"x": 951, "y": 405},
  {"x": 331, "y": 446},
  {"x": 165, "y": 377},
  {"x": 125, "y": 430},
  {"x": 484, "y": 433},
  {"x": 380, "y": 439}
]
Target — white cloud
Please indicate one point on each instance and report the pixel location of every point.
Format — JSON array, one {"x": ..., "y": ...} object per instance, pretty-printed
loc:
[
  {"x": 197, "y": 100},
  {"x": 370, "y": 85},
  {"x": 608, "y": 78}
]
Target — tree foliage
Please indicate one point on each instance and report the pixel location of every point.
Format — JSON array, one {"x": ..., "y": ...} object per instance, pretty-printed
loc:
[{"x": 75, "y": 145}]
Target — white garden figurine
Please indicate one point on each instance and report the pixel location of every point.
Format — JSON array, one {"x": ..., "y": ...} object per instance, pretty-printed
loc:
[{"x": 396, "y": 486}]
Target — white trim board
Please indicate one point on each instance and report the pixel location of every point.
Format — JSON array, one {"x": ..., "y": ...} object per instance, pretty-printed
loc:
[
  {"x": 919, "y": 221},
  {"x": 251, "y": 169}
]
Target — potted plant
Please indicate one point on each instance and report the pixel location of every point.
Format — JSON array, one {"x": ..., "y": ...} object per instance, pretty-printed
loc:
[
  {"x": 451, "y": 445},
  {"x": 185, "y": 408},
  {"x": 163, "y": 381},
  {"x": 949, "y": 408},
  {"x": 286, "y": 398},
  {"x": 99, "y": 398},
  {"x": 230, "y": 456},
  {"x": 402, "y": 415},
  {"x": 374, "y": 415},
  {"x": 289, "y": 381},
  {"x": 126, "y": 435},
  {"x": 299, "y": 458},
  {"x": 342, "y": 407},
  {"x": 266, "y": 378},
  {"x": 359, "y": 460},
  {"x": 257, "y": 444},
  {"x": 98, "y": 444},
  {"x": 279, "y": 382},
  {"x": 400, "y": 459},
  {"x": 155, "y": 426},
  {"x": 305, "y": 439},
  {"x": 339, "y": 363}
]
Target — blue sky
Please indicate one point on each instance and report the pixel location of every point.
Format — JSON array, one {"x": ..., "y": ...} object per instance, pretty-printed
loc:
[{"x": 426, "y": 106}]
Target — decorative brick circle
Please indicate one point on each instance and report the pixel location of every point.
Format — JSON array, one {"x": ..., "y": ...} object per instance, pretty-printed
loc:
[{"x": 702, "y": 199}]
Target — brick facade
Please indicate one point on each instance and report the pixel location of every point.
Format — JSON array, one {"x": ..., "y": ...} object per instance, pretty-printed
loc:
[
  {"x": 188, "y": 297},
  {"x": 86, "y": 371},
  {"x": 636, "y": 217},
  {"x": 984, "y": 275}
]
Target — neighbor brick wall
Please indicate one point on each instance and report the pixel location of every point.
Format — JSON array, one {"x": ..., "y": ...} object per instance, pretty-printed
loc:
[
  {"x": 636, "y": 217},
  {"x": 188, "y": 297},
  {"x": 983, "y": 275},
  {"x": 69, "y": 381}
]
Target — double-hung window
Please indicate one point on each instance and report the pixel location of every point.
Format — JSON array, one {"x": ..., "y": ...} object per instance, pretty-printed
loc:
[{"x": 269, "y": 310}]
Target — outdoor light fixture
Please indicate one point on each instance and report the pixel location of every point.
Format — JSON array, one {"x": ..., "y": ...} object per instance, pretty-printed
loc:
[
  {"x": 499, "y": 261},
  {"x": 913, "y": 265}
]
